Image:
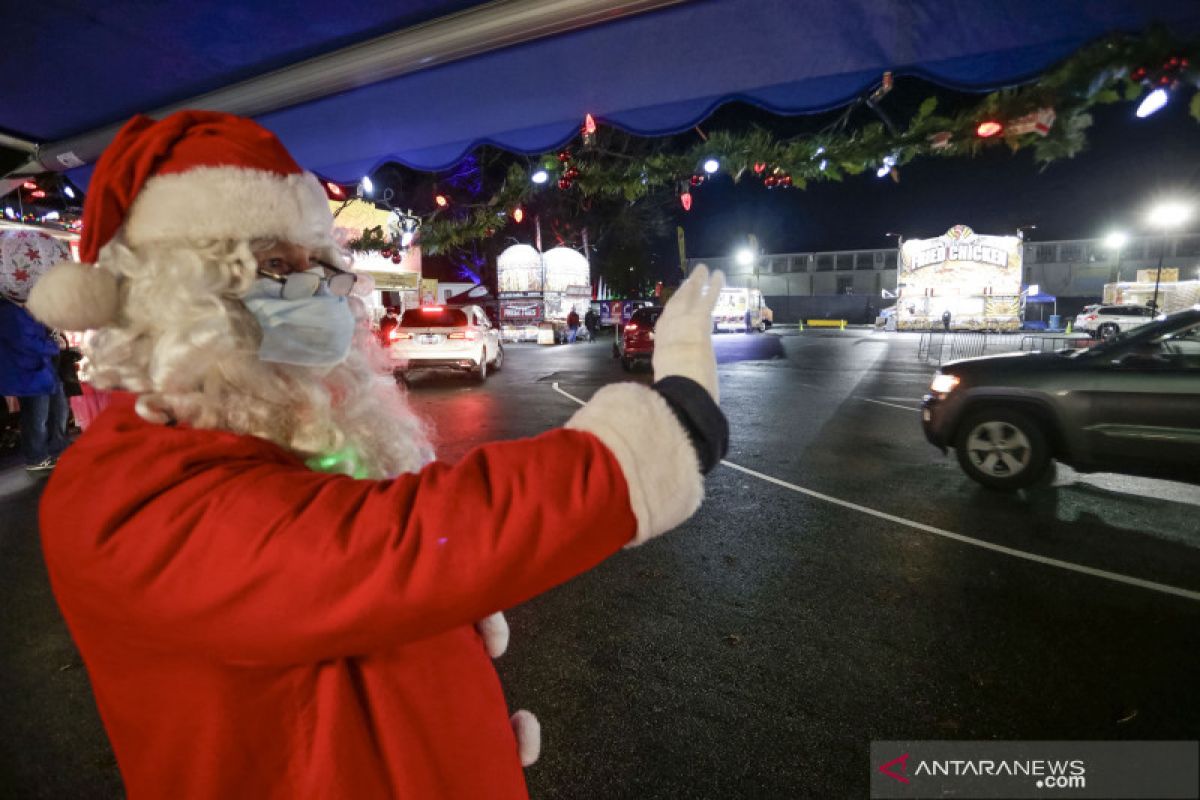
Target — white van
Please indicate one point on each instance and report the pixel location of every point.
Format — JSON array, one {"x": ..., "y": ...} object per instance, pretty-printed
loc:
[{"x": 741, "y": 310}]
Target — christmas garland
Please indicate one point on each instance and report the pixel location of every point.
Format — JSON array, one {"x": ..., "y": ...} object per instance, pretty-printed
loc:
[{"x": 1050, "y": 116}]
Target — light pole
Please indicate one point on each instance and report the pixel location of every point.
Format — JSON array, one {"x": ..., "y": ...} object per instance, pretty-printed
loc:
[
  {"x": 1115, "y": 241},
  {"x": 1165, "y": 216}
]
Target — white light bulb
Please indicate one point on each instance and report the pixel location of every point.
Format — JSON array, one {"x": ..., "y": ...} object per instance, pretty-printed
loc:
[
  {"x": 1153, "y": 102},
  {"x": 541, "y": 176},
  {"x": 367, "y": 186},
  {"x": 69, "y": 192},
  {"x": 744, "y": 257},
  {"x": 711, "y": 166},
  {"x": 883, "y": 171}
]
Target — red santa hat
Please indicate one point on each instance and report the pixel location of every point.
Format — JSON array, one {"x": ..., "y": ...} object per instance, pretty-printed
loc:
[{"x": 192, "y": 176}]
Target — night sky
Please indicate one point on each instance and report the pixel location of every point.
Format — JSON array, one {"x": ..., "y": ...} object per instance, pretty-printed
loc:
[{"x": 1128, "y": 162}]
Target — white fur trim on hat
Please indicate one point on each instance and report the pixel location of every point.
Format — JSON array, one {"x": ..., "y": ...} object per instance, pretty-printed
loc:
[
  {"x": 528, "y": 731},
  {"x": 657, "y": 457},
  {"x": 75, "y": 297},
  {"x": 229, "y": 203}
]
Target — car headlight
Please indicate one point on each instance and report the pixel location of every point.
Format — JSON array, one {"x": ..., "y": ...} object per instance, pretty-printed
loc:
[{"x": 943, "y": 384}]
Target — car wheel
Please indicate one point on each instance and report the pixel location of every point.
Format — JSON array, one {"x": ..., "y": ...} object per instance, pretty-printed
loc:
[
  {"x": 498, "y": 361},
  {"x": 1002, "y": 449},
  {"x": 482, "y": 370},
  {"x": 1107, "y": 331}
]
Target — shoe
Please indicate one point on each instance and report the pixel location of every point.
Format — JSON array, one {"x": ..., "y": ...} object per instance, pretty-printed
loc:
[{"x": 43, "y": 466}]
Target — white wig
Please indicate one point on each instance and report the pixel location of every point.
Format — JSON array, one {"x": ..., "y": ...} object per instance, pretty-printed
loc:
[{"x": 185, "y": 342}]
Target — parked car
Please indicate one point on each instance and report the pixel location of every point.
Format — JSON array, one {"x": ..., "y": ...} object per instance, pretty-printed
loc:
[
  {"x": 636, "y": 342},
  {"x": 461, "y": 338},
  {"x": 1105, "y": 321},
  {"x": 1128, "y": 405}
]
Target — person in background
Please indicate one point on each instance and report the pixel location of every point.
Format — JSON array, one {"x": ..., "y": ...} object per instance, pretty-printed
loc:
[
  {"x": 591, "y": 321},
  {"x": 391, "y": 318},
  {"x": 29, "y": 351},
  {"x": 274, "y": 588},
  {"x": 572, "y": 326},
  {"x": 946, "y": 320}
]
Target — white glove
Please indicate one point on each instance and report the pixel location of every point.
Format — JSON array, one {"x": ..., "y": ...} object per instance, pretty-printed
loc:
[{"x": 683, "y": 335}]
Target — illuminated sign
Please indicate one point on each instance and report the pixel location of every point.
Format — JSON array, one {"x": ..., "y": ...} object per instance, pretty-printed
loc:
[{"x": 976, "y": 278}]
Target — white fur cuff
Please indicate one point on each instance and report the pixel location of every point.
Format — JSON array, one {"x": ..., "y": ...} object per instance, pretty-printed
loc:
[{"x": 656, "y": 456}]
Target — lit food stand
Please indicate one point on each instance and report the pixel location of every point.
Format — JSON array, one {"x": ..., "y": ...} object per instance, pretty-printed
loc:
[
  {"x": 976, "y": 278},
  {"x": 538, "y": 290}
]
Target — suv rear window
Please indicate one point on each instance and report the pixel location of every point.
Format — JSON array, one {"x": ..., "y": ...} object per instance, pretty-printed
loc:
[
  {"x": 433, "y": 317},
  {"x": 646, "y": 316}
]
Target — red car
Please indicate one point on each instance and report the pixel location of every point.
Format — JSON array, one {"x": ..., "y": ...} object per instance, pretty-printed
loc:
[{"x": 637, "y": 339}]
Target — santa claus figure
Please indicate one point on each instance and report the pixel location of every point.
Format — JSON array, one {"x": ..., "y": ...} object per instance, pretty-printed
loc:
[{"x": 276, "y": 591}]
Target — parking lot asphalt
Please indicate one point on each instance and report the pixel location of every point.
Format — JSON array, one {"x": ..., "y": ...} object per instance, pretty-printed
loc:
[{"x": 844, "y": 582}]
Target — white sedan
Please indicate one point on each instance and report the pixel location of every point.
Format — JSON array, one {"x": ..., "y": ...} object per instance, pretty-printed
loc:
[{"x": 446, "y": 337}]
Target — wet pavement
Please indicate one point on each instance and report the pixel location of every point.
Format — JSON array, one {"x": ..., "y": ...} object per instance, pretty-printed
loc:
[{"x": 757, "y": 651}]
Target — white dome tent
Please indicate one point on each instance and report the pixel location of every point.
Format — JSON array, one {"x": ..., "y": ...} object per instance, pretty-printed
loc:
[{"x": 538, "y": 290}]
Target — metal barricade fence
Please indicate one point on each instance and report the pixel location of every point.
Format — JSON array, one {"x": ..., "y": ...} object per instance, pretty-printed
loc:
[{"x": 941, "y": 346}]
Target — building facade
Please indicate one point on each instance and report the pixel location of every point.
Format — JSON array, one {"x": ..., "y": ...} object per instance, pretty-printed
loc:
[{"x": 852, "y": 284}]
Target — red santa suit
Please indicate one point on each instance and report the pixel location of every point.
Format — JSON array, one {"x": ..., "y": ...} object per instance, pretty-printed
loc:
[
  {"x": 256, "y": 629},
  {"x": 253, "y": 628}
]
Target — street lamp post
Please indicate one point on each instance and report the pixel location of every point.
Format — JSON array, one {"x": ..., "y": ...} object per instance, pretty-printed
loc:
[
  {"x": 1165, "y": 216},
  {"x": 1116, "y": 241}
]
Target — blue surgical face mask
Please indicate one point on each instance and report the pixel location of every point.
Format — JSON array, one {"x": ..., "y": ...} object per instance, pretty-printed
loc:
[{"x": 313, "y": 331}]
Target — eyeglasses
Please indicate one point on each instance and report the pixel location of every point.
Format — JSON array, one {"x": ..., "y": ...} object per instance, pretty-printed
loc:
[{"x": 299, "y": 285}]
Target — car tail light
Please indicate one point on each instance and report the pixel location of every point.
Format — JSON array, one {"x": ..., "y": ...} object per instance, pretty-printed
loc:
[
  {"x": 1090, "y": 317},
  {"x": 396, "y": 335},
  {"x": 631, "y": 327},
  {"x": 431, "y": 309},
  {"x": 471, "y": 335}
]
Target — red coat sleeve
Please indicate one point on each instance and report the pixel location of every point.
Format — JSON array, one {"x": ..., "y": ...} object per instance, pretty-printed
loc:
[{"x": 263, "y": 561}]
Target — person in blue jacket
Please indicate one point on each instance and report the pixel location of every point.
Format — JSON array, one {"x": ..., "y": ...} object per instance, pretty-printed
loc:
[{"x": 28, "y": 371}]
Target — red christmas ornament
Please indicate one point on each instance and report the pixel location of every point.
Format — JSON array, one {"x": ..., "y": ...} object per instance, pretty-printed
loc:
[
  {"x": 571, "y": 174},
  {"x": 396, "y": 259},
  {"x": 786, "y": 180},
  {"x": 1138, "y": 74},
  {"x": 770, "y": 181},
  {"x": 697, "y": 180},
  {"x": 759, "y": 166},
  {"x": 686, "y": 200},
  {"x": 386, "y": 252},
  {"x": 564, "y": 183},
  {"x": 564, "y": 156}
]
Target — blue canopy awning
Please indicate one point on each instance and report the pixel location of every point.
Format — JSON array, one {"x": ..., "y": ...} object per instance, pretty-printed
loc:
[{"x": 652, "y": 73}]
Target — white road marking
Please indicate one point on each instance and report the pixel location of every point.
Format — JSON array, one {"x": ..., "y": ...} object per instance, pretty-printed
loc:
[
  {"x": 1082, "y": 569},
  {"x": 890, "y": 405}
]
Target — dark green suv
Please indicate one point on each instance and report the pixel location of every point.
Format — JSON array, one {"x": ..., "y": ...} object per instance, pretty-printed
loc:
[{"x": 1129, "y": 405}]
